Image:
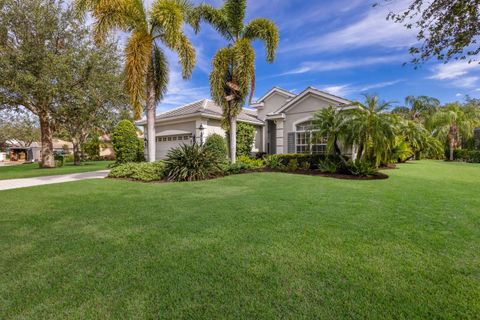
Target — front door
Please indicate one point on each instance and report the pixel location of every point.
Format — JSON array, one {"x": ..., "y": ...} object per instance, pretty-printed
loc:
[{"x": 271, "y": 137}]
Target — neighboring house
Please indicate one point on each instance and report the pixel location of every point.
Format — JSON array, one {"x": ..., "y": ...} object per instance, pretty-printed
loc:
[
  {"x": 18, "y": 151},
  {"x": 282, "y": 119},
  {"x": 106, "y": 147}
]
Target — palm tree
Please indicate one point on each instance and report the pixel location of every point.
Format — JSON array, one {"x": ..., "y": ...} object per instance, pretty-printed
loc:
[
  {"x": 372, "y": 130},
  {"x": 419, "y": 138},
  {"x": 146, "y": 66},
  {"x": 417, "y": 108},
  {"x": 331, "y": 124},
  {"x": 453, "y": 123},
  {"x": 233, "y": 74}
]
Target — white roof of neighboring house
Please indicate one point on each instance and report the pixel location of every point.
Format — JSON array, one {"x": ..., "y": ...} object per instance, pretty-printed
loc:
[{"x": 205, "y": 108}]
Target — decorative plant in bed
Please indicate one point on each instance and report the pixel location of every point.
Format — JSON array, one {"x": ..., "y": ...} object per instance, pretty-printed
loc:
[{"x": 195, "y": 163}]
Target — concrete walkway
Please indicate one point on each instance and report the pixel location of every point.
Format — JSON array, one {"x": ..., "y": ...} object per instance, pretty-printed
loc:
[{"x": 40, "y": 181}]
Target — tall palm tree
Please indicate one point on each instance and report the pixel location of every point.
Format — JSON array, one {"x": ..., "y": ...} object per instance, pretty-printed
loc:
[
  {"x": 146, "y": 66},
  {"x": 453, "y": 123},
  {"x": 417, "y": 108},
  {"x": 372, "y": 129},
  {"x": 233, "y": 74}
]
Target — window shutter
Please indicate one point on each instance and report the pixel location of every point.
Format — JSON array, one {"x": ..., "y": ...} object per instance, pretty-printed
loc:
[{"x": 291, "y": 142}]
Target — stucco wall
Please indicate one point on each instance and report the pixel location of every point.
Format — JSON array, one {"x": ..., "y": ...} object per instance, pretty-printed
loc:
[
  {"x": 271, "y": 104},
  {"x": 188, "y": 126}
]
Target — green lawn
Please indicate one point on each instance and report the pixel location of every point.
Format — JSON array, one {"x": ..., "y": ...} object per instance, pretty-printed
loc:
[
  {"x": 32, "y": 170},
  {"x": 263, "y": 246}
]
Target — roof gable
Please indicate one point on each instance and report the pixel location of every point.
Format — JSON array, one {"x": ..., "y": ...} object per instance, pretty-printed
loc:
[
  {"x": 315, "y": 92},
  {"x": 275, "y": 90}
]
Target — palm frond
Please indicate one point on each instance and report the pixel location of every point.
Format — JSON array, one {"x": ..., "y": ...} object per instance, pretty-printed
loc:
[
  {"x": 266, "y": 31},
  {"x": 167, "y": 18},
  {"x": 186, "y": 55},
  {"x": 235, "y": 12},
  {"x": 244, "y": 66},
  {"x": 220, "y": 75},
  {"x": 161, "y": 73},
  {"x": 109, "y": 15},
  {"x": 138, "y": 53},
  {"x": 214, "y": 17}
]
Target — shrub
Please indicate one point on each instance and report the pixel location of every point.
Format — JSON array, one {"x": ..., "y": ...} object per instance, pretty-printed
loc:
[
  {"x": 274, "y": 162},
  {"x": 69, "y": 158},
  {"x": 292, "y": 165},
  {"x": 92, "y": 148},
  {"x": 313, "y": 159},
  {"x": 59, "y": 159},
  {"x": 329, "y": 166},
  {"x": 217, "y": 144},
  {"x": 236, "y": 168},
  {"x": 253, "y": 163},
  {"x": 361, "y": 168},
  {"x": 140, "y": 150},
  {"x": 472, "y": 156},
  {"x": 191, "y": 163},
  {"x": 245, "y": 138},
  {"x": 145, "y": 171},
  {"x": 125, "y": 142}
]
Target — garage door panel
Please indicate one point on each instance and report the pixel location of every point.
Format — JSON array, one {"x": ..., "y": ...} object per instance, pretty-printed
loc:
[{"x": 165, "y": 144}]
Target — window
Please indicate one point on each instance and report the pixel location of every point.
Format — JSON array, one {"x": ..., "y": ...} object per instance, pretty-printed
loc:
[{"x": 306, "y": 140}]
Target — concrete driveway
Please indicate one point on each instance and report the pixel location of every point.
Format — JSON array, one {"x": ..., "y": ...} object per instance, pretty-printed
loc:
[{"x": 40, "y": 181}]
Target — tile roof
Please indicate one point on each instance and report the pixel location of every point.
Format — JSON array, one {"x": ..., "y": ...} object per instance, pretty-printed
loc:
[{"x": 207, "y": 107}]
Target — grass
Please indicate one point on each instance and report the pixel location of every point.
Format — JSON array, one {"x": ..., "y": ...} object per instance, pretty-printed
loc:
[
  {"x": 267, "y": 245},
  {"x": 32, "y": 170}
]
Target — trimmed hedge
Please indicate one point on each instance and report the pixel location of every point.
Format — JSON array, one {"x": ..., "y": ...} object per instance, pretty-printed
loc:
[
  {"x": 472, "y": 156},
  {"x": 144, "y": 171},
  {"x": 301, "y": 159}
]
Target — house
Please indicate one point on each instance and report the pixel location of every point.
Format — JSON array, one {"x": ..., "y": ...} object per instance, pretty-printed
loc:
[
  {"x": 19, "y": 151},
  {"x": 282, "y": 119}
]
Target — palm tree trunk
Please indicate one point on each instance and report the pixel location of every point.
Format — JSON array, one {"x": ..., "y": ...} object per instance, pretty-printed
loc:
[
  {"x": 233, "y": 140},
  {"x": 46, "y": 151},
  {"x": 452, "y": 149},
  {"x": 151, "y": 111}
]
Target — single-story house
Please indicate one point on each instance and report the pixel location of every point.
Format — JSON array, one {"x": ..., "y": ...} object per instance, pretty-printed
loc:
[
  {"x": 22, "y": 152},
  {"x": 282, "y": 119}
]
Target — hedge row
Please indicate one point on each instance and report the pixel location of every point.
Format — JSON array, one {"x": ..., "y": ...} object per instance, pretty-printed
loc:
[
  {"x": 472, "y": 156},
  {"x": 313, "y": 159}
]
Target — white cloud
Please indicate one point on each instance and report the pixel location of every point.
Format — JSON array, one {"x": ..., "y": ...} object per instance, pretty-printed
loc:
[
  {"x": 339, "y": 90},
  {"x": 319, "y": 66},
  {"x": 345, "y": 90},
  {"x": 460, "y": 74},
  {"x": 371, "y": 30},
  {"x": 453, "y": 70}
]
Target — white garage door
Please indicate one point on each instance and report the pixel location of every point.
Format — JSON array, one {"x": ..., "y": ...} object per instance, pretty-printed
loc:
[{"x": 164, "y": 144}]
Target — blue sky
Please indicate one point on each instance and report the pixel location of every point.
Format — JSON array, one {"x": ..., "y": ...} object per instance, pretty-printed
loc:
[{"x": 345, "y": 47}]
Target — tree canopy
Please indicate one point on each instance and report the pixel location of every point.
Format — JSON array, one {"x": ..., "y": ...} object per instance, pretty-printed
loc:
[{"x": 447, "y": 29}]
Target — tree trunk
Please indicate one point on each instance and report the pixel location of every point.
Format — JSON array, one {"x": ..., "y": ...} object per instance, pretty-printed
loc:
[
  {"x": 46, "y": 151},
  {"x": 452, "y": 149},
  {"x": 151, "y": 111},
  {"x": 233, "y": 140},
  {"x": 77, "y": 153},
  {"x": 338, "y": 152}
]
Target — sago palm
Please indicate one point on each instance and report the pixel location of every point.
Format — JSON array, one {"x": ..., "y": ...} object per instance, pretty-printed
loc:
[
  {"x": 453, "y": 123},
  {"x": 146, "y": 66},
  {"x": 372, "y": 130},
  {"x": 233, "y": 76}
]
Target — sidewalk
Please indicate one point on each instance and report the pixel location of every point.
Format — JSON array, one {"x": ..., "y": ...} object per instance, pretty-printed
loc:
[{"x": 40, "y": 181}]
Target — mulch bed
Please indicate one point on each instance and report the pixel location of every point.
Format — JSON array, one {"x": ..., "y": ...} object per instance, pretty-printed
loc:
[{"x": 343, "y": 176}]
